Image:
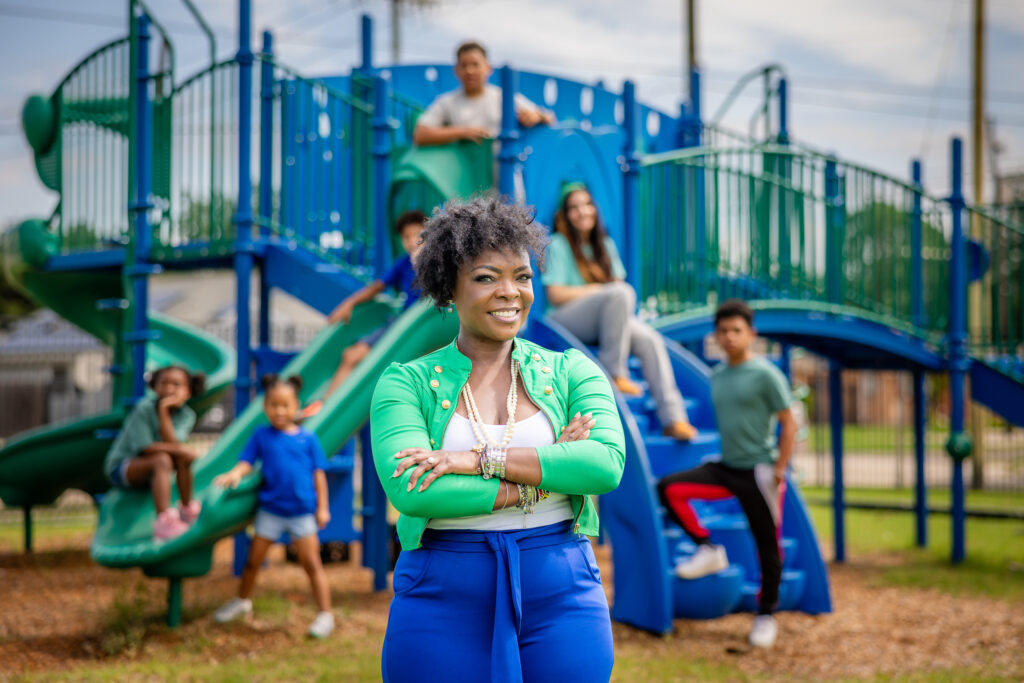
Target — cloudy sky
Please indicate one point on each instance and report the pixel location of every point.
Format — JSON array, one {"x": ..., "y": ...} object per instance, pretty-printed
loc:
[{"x": 875, "y": 81}]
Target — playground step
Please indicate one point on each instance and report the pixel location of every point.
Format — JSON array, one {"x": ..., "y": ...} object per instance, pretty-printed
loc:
[
  {"x": 667, "y": 455},
  {"x": 791, "y": 589},
  {"x": 708, "y": 597},
  {"x": 647, "y": 406}
]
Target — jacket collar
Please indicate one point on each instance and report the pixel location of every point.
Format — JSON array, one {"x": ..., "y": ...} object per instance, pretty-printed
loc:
[{"x": 463, "y": 364}]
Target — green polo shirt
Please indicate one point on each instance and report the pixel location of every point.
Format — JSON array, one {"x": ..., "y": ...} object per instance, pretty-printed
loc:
[
  {"x": 746, "y": 399},
  {"x": 143, "y": 428}
]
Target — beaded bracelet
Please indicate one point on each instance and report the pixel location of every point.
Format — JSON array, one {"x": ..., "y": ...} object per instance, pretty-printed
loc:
[
  {"x": 492, "y": 462},
  {"x": 528, "y": 497}
]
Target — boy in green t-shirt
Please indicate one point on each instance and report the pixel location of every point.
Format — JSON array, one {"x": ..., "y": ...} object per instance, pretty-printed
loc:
[{"x": 749, "y": 395}]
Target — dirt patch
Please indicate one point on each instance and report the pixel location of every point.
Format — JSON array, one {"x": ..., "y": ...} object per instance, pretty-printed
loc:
[
  {"x": 57, "y": 610},
  {"x": 874, "y": 630}
]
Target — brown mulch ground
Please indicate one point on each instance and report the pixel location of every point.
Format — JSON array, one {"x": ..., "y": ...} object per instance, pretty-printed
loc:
[{"x": 56, "y": 607}]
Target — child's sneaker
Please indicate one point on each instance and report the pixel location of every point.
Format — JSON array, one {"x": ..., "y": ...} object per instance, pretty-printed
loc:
[
  {"x": 168, "y": 525},
  {"x": 708, "y": 559},
  {"x": 235, "y": 608},
  {"x": 322, "y": 625},
  {"x": 764, "y": 631},
  {"x": 190, "y": 513}
]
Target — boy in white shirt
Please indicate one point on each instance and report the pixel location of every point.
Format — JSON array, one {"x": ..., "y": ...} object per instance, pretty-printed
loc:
[{"x": 474, "y": 111}]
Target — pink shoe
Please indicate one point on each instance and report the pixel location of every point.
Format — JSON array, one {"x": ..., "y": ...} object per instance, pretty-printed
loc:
[
  {"x": 190, "y": 513},
  {"x": 168, "y": 525}
]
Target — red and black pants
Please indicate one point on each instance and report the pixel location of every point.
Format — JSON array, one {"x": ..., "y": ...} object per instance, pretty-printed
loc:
[{"x": 758, "y": 495}]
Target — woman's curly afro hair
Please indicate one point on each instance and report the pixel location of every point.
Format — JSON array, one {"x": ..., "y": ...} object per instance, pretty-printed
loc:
[{"x": 460, "y": 231}]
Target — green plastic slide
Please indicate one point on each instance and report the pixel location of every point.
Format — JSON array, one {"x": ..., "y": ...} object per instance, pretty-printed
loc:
[
  {"x": 38, "y": 465},
  {"x": 425, "y": 177},
  {"x": 124, "y": 536}
]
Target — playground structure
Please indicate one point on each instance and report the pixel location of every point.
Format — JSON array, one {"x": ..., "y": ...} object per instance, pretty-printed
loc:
[{"x": 249, "y": 165}]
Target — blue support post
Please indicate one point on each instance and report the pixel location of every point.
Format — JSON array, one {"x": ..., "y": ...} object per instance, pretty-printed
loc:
[
  {"x": 700, "y": 226},
  {"x": 266, "y": 189},
  {"x": 243, "y": 259},
  {"x": 366, "y": 42},
  {"x": 631, "y": 186},
  {"x": 691, "y": 127},
  {"x": 920, "y": 489},
  {"x": 784, "y": 169},
  {"x": 509, "y": 135},
  {"x": 916, "y": 249},
  {"x": 381, "y": 173},
  {"x": 244, "y": 252},
  {"x": 835, "y": 394},
  {"x": 139, "y": 268},
  {"x": 958, "y": 446},
  {"x": 783, "y": 136},
  {"x": 917, "y": 318},
  {"x": 835, "y": 215},
  {"x": 784, "y": 362},
  {"x": 376, "y": 532}
]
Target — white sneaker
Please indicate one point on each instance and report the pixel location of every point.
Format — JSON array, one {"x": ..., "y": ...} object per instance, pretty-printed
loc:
[
  {"x": 708, "y": 559},
  {"x": 322, "y": 625},
  {"x": 764, "y": 631},
  {"x": 234, "y": 608}
]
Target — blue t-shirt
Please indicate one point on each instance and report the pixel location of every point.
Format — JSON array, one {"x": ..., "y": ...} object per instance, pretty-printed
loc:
[
  {"x": 289, "y": 461},
  {"x": 400, "y": 278}
]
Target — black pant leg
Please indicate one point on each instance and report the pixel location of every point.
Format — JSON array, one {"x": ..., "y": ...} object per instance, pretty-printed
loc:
[{"x": 762, "y": 525}]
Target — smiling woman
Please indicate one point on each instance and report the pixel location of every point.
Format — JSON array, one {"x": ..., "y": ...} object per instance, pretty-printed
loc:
[{"x": 497, "y": 580}]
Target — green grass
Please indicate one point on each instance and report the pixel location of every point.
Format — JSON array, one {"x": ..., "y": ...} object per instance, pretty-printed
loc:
[
  {"x": 339, "y": 659},
  {"x": 937, "y": 497},
  {"x": 893, "y": 439},
  {"x": 347, "y": 660},
  {"x": 46, "y": 534}
]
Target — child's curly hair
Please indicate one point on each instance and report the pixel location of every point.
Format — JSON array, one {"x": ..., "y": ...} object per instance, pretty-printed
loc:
[
  {"x": 460, "y": 231},
  {"x": 196, "y": 380}
]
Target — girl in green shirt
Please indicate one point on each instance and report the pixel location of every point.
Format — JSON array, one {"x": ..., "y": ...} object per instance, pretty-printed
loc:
[{"x": 588, "y": 295}]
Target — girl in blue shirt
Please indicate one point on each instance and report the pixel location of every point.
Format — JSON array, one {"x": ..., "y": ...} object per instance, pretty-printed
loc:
[{"x": 292, "y": 498}]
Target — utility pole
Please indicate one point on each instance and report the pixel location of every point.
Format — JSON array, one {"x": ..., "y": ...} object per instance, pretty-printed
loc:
[
  {"x": 396, "y": 29},
  {"x": 690, "y": 48},
  {"x": 978, "y": 413}
]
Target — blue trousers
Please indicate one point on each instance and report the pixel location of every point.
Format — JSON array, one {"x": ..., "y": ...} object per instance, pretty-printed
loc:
[{"x": 499, "y": 607}]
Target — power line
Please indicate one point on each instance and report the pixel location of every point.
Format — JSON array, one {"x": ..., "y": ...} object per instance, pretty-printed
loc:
[{"x": 934, "y": 102}]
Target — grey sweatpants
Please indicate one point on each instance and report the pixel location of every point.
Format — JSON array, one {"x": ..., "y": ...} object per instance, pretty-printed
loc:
[{"x": 608, "y": 319}]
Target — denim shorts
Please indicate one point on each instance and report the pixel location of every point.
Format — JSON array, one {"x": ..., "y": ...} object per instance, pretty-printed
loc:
[
  {"x": 119, "y": 477},
  {"x": 272, "y": 527}
]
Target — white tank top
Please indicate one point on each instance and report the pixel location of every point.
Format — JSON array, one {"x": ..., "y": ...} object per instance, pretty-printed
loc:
[{"x": 533, "y": 431}]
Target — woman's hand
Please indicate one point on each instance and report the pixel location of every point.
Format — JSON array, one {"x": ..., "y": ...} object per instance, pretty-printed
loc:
[
  {"x": 434, "y": 464},
  {"x": 578, "y": 428}
]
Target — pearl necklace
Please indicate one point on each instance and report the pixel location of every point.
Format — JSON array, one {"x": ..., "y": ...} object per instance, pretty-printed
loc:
[{"x": 477, "y": 423}]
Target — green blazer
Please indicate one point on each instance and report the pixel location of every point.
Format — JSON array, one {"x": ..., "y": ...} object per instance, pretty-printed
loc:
[{"x": 414, "y": 402}]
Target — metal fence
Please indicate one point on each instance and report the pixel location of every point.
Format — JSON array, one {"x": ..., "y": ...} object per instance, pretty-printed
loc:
[
  {"x": 878, "y": 436},
  {"x": 771, "y": 222},
  {"x": 88, "y": 160}
]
